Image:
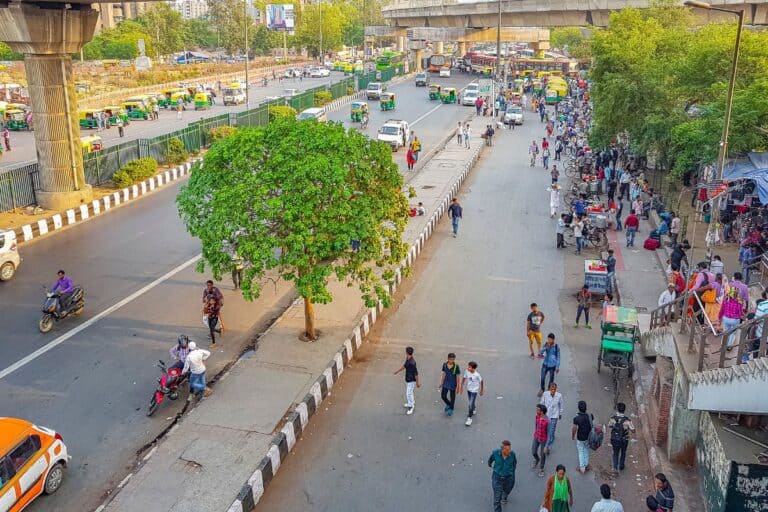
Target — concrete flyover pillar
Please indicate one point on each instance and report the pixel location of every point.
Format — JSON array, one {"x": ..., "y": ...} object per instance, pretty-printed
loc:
[
  {"x": 48, "y": 36},
  {"x": 401, "y": 43},
  {"x": 439, "y": 48},
  {"x": 462, "y": 48},
  {"x": 419, "y": 55}
]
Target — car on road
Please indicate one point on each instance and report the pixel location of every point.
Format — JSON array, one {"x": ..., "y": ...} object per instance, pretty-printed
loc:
[
  {"x": 319, "y": 72},
  {"x": 33, "y": 460},
  {"x": 445, "y": 72},
  {"x": 233, "y": 95},
  {"x": 468, "y": 98},
  {"x": 374, "y": 90},
  {"x": 395, "y": 132},
  {"x": 318, "y": 114},
  {"x": 9, "y": 255},
  {"x": 473, "y": 87},
  {"x": 513, "y": 115},
  {"x": 421, "y": 80}
]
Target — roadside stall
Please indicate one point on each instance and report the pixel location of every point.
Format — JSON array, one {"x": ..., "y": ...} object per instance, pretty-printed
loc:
[{"x": 596, "y": 276}]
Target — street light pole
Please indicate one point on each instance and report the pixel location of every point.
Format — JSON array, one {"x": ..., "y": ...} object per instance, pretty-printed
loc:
[
  {"x": 247, "y": 83},
  {"x": 498, "y": 43},
  {"x": 322, "y": 60}
]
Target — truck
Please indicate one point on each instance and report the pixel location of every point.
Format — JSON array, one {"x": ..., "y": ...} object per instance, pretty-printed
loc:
[
  {"x": 395, "y": 132},
  {"x": 233, "y": 95}
]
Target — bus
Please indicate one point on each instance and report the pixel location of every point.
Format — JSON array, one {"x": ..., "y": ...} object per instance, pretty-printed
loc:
[
  {"x": 388, "y": 59},
  {"x": 543, "y": 67},
  {"x": 437, "y": 61}
]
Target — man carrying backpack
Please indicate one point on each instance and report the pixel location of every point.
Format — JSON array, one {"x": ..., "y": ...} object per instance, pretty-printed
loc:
[{"x": 620, "y": 427}]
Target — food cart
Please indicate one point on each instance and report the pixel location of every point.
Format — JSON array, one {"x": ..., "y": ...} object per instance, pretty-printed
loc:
[{"x": 596, "y": 276}]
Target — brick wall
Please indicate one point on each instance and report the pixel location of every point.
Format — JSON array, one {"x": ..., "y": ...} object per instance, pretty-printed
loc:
[{"x": 660, "y": 400}]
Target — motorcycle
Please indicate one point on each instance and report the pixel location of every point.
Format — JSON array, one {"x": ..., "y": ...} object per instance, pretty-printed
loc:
[
  {"x": 53, "y": 312},
  {"x": 167, "y": 384}
]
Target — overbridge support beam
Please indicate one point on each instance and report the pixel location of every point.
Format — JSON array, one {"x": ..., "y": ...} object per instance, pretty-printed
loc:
[{"x": 47, "y": 35}]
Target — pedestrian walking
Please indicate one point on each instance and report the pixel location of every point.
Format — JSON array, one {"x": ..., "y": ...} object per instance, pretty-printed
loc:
[
  {"x": 179, "y": 109},
  {"x": 533, "y": 324},
  {"x": 410, "y": 158},
  {"x": 489, "y": 133},
  {"x": 578, "y": 233},
  {"x": 582, "y": 426},
  {"x": 459, "y": 134},
  {"x": 503, "y": 461},
  {"x": 238, "y": 265},
  {"x": 583, "y": 298},
  {"x": 561, "y": 231},
  {"x": 665, "y": 496},
  {"x": 550, "y": 364},
  {"x": 554, "y": 173},
  {"x": 620, "y": 427},
  {"x": 467, "y": 135},
  {"x": 533, "y": 151},
  {"x": 668, "y": 296},
  {"x": 120, "y": 127},
  {"x": 450, "y": 385},
  {"x": 554, "y": 199},
  {"x": 558, "y": 147},
  {"x": 416, "y": 144},
  {"x": 411, "y": 379},
  {"x": 539, "y": 446},
  {"x": 7, "y": 139},
  {"x": 545, "y": 157},
  {"x": 558, "y": 496},
  {"x": 674, "y": 230},
  {"x": 212, "y": 319},
  {"x": 606, "y": 504},
  {"x": 731, "y": 312},
  {"x": 212, "y": 291},
  {"x": 194, "y": 364},
  {"x": 455, "y": 212},
  {"x": 473, "y": 383},
  {"x": 610, "y": 266},
  {"x": 553, "y": 401},
  {"x": 631, "y": 225}
]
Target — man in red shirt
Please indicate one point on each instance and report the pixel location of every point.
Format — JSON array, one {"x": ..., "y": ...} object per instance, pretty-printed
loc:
[{"x": 631, "y": 224}]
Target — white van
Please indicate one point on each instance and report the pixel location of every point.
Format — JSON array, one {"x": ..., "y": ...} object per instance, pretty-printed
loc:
[{"x": 318, "y": 114}]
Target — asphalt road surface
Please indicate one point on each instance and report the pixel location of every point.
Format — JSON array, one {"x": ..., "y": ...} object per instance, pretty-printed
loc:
[
  {"x": 469, "y": 295},
  {"x": 23, "y": 143},
  {"x": 92, "y": 376}
]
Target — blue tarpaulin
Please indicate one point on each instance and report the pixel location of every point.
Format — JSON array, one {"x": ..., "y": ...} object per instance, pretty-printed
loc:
[{"x": 754, "y": 168}]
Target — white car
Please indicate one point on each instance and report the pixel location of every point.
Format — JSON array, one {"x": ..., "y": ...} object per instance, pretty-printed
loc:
[
  {"x": 233, "y": 96},
  {"x": 9, "y": 255},
  {"x": 318, "y": 114},
  {"x": 473, "y": 87},
  {"x": 395, "y": 132},
  {"x": 513, "y": 115},
  {"x": 445, "y": 72},
  {"x": 469, "y": 98},
  {"x": 324, "y": 72},
  {"x": 374, "y": 90}
]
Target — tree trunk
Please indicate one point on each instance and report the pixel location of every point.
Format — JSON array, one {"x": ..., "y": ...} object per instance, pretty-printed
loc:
[{"x": 309, "y": 320}]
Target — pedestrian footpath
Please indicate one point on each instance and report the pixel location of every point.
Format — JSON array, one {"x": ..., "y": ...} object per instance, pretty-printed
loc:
[{"x": 224, "y": 453}]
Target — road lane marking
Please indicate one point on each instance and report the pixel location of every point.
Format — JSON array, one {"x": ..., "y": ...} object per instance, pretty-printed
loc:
[
  {"x": 64, "y": 337},
  {"x": 437, "y": 107}
]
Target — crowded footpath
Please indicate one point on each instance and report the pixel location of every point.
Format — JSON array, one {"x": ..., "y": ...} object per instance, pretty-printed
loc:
[{"x": 565, "y": 128}]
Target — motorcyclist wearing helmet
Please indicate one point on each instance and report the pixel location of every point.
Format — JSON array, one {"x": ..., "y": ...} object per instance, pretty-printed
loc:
[{"x": 179, "y": 352}]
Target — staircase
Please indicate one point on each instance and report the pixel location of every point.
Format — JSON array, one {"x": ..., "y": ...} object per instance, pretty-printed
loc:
[{"x": 718, "y": 379}]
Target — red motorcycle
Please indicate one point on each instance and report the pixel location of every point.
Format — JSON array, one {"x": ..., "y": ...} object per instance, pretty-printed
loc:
[{"x": 167, "y": 384}]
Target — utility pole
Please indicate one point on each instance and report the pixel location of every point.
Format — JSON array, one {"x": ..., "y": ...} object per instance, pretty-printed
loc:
[
  {"x": 498, "y": 44},
  {"x": 247, "y": 83},
  {"x": 322, "y": 60}
]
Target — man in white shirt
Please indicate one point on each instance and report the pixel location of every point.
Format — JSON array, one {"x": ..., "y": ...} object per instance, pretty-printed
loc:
[
  {"x": 553, "y": 401},
  {"x": 196, "y": 368},
  {"x": 667, "y": 295},
  {"x": 674, "y": 229},
  {"x": 607, "y": 504}
]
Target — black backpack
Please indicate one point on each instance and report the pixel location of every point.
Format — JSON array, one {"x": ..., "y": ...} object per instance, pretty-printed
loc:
[{"x": 618, "y": 433}]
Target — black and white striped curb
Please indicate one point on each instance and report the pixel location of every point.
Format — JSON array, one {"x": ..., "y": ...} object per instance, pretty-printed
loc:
[
  {"x": 96, "y": 207},
  {"x": 297, "y": 421}
]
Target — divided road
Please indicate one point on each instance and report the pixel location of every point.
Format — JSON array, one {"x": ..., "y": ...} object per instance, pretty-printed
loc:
[
  {"x": 91, "y": 377},
  {"x": 469, "y": 295}
]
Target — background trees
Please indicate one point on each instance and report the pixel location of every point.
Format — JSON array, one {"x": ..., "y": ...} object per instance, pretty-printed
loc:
[{"x": 292, "y": 197}]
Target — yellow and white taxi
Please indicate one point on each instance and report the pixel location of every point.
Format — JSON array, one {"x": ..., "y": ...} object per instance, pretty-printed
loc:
[{"x": 32, "y": 462}]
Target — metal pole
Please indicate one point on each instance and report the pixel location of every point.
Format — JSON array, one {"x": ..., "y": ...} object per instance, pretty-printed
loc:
[
  {"x": 322, "y": 60},
  {"x": 498, "y": 44},
  {"x": 731, "y": 86},
  {"x": 245, "y": 43}
]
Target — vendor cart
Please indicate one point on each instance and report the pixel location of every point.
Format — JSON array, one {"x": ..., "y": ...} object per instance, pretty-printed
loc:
[
  {"x": 619, "y": 334},
  {"x": 596, "y": 277}
]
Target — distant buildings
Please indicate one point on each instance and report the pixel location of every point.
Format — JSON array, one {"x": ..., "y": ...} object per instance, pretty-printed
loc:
[
  {"x": 190, "y": 9},
  {"x": 110, "y": 14}
]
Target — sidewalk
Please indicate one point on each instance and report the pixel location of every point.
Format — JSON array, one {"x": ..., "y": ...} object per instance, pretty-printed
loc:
[
  {"x": 224, "y": 453},
  {"x": 639, "y": 281}
]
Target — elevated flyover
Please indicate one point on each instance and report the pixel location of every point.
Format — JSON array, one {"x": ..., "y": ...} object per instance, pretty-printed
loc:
[{"x": 537, "y": 13}]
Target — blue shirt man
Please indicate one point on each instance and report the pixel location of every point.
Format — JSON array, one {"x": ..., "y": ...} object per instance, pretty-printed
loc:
[
  {"x": 580, "y": 207},
  {"x": 550, "y": 353}
]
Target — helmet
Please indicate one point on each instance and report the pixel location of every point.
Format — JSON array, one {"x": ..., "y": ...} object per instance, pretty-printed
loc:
[{"x": 183, "y": 340}]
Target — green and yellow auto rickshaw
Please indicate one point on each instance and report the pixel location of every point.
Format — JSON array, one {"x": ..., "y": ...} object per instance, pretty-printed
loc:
[
  {"x": 359, "y": 108},
  {"x": 434, "y": 92},
  {"x": 16, "y": 119},
  {"x": 203, "y": 101},
  {"x": 89, "y": 118},
  {"x": 171, "y": 95},
  {"x": 136, "y": 110},
  {"x": 91, "y": 143},
  {"x": 487, "y": 73},
  {"x": 115, "y": 113},
  {"x": 448, "y": 95},
  {"x": 387, "y": 101}
]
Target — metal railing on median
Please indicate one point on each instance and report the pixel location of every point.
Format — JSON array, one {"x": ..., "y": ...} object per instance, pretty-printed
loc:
[{"x": 18, "y": 183}]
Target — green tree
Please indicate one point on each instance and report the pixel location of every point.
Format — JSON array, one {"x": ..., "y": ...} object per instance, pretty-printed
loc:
[
  {"x": 198, "y": 34},
  {"x": 574, "y": 40},
  {"x": 229, "y": 20},
  {"x": 307, "y": 188},
  {"x": 308, "y": 29},
  {"x": 165, "y": 26},
  {"x": 120, "y": 42},
  {"x": 7, "y": 54}
]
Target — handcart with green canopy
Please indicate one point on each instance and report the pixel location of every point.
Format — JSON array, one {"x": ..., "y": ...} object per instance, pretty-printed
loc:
[{"x": 619, "y": 333}]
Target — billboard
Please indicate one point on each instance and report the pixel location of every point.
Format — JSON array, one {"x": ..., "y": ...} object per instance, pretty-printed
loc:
[{"x": 280, "y": 17}]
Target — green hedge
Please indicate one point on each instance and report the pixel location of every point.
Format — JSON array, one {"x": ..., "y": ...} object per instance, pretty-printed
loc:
[
  {"x": 220, "y": 132},
  {"x": 323, "y": 98},
  {"x": 134, "y": 172},
  {"x": 176, "y": 152},
  {"x": 281, "y": 111}
]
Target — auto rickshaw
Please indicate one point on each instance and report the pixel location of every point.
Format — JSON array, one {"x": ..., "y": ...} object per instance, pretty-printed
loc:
[
  {"x": 518, "y": 85},
  {"x": 136, "y": 110},
  {"x": 537, "y": 86},
  {"x": 358, "y": 109},
  {"x": 171, "y": 95},
  {"x": 16, "y": 119},
  {"x": 114, "y": 113},
  {"x": 89, "y": 118},
  {"x": 434, "y": 92},
  {"x": 487, "y": 73},
  {"x": 387, "y": 101},
  {"x": 91, "y": 143},
  {"x": 203, "y": 101},
  {"x": 448, "y": 95}
]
